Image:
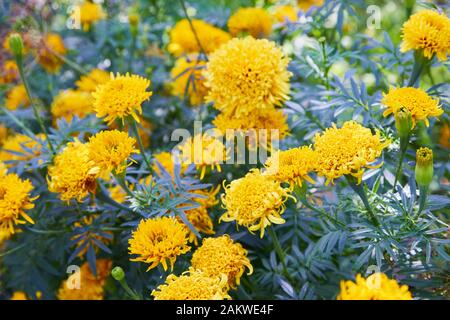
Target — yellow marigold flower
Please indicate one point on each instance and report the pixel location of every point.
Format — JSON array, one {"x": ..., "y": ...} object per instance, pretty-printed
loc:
[
  {"x": 73, "y": 173},
  {"x": 167, "y": 162},
  {"x": 183, "y": 40},
  {"x": 256, "y": 22},
  {"x": 69, "y": 103},
  {"x": 204, "y": 151},
  {"x": 20, "y": 147},
  {"x": 9, "y": 72},
  {"x": 188, "y": 79},
  {"x": 222, "y": 255},
  {"x": 51, "y": 46},
  {"x": 376, "y": 287},
  {"x": 444, "y": 136},
  {"x": 257, "y": 126},
  {"x": 90, "y": 286},
  {"x": 90, "y": 13},
  {"x": 292, "y": 166},
  {"x": 347, "y": 150},
  {"x": 111, "y": 149},
  {"x": 193, "y": 285},
  {"x": 17, "y": 97},
  {"x": 121, "y": 97},
  {"x": 118, "y": 194},
  {"x": 15, "y": 199},
  {"x": 287, "y": 13},
  {"x": 3, "y": 169},
  {"x": 254, "y": 201},
  {"x": 3, "y": 135},
  {"x": 305, "y": 5},
  {"x": 19, "y": 295},
  {"x": 159, "y": 240},
  {"x": 246, "y": 76},
  {"x": 417, "y": 101},
  {"x": 94, "y": 78},
  {"x": 429, "y": 31}
]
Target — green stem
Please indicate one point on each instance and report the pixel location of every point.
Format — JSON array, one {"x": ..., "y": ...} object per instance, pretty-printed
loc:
[
  {"x": 3, "y": 254},
  {"x": 141, "y": 146},
  {"x": 131, "y": 53},
  {"x": 359, "y": 189},
  {"x": 418, "y": 67},
  {"x": 128, "y": 290},
  {"x": 183, "y": 5},
  {"x": 75, "y": 66},
  {"x": 314, "y": 119},
  {"x": 423, "y": 192},
  {"x": 33, "y": 106},
  {"x": 122, "y": 183},
  {"x": 403, "y": 147},
  {"x": 279, "y": 252}
]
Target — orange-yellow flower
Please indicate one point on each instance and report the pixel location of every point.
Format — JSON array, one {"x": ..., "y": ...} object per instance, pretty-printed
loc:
[{"x": 256, "y": 22}]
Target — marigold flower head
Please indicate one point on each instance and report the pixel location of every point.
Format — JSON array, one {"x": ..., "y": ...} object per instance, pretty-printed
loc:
[
  {"x": 70, "y": 103},
  {"x": 17, "y": 97},
  {"x": 256, "y": 22},
  {"x": 305, "y": 5},
  {"x": 193, "y": 285},
  {"x": 110, "y": 150},
  {"x": 118, "y": 194},
  {"x": 376, "y": 287},
  {"x": 254, "y": 201},
  {"x": 247, "y": 75},
  {"x": 222, "y": 255},
  {"x": 20, "y": 147},
  {"x": 286, "y": 13},
  {"x": 159, "y": 240},
  {"x": 204, "y": 151},
  {"x": 428, "y": 31},
  {"x": 444, "y": 136},
  {"x": 90, "y": 81},
  {"x": 188, "y": 79},
  {"x": 73, "y": 174},
  {"x": 15, "y": 199},
  {"x": 292, "y": 166},
  {"x": 90, "y": 13},
  {"x": 260, "y": 127},
  {"x": 347, "y": 150},
  {"x": 9, "y": 72},
  {"x": 91, "y": 286},
  {"x": 417, "y": 101},
  {"x": 47, "y": 53},
  {"x": 3, "y": 169},
  {"x": 184, "y": 41},
  {"x": 121, "y": 97},
  {"x": 19, "y": 295},
  {"x": 3, "y": 135}
]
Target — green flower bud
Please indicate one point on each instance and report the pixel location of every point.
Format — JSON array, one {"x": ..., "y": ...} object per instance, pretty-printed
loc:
[
  {"x": 424, "y": 166},
  {"x": 403, "y": 122},
  {"x": 16, "y": 44},
  {"x": 118, "y": 273}
]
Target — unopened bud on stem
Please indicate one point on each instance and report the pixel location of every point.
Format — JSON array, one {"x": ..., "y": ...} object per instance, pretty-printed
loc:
[
  {"x": 16, "y": 45},
  {"x": 424, "y": 166},
  {"x": 118, "y": 273},
  {"x": 403, "y": 122}
]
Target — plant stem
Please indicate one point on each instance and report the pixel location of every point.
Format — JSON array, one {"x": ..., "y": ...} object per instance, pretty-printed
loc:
[
  {"x": 75, "y": 66},
  {"x": 279, "y": 251},
  {"x": 139, "y": 141},
  {"x": 403, "y": 147},
  {"x": 122, "y": 183},
  {"x": 423, "y": 192},
  {"x": 359, "y": 189},
  {"x": 193, "y": 29},
  {"x": 131, "y": 53},
  {"x": 33, "y": 106},
  {"x": 418, "y": 67},
  {"x": 128, "y": 290}
]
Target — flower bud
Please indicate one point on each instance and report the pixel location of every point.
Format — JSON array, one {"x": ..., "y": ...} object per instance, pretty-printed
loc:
[
  {"x": 403, "y": 122},
  {"x": 118, "y": 273},
  {"x": 424, "y": 166},
  {"x": 16, "y": 44},
  {"x": 133, "y": 19}
]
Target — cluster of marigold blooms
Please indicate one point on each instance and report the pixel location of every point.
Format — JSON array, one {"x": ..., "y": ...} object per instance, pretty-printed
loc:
[{"x": 246, "y": 78}]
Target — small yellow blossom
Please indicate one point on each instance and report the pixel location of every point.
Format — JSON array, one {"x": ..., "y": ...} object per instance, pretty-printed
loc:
[
  {"x": 20, "y": 147},
  {"x": 3, "y": 135},
  {"x": 70, "y": 103},
  {"x": 376, "y": 287},
  {"x": 287, "y": 13},
  {"x": 111, "y": 149},
  {"x": 17, "y": 97},
  {"x": 347, "y": 150},
  {"x": 188, "y": 79},
  {"x": 254, "y": 201},
  {"x": 193, "y": 285},
  {"x": 90, "y": 287},
  {"x": 292, "y": 166},
  {"x": 47, "y": 52},
  {"x": 9, "y": 72},
  {"x": 256, "y": 22},
  {"x": 159, "y": 240},
  {"x": 90, "y": 81},
  {"x": 247, "y": 76},
  {"x": 222, "y": 255},
  {"x": 444, "y": 136},
  {"x": 305, "y": 5},
  {"x": 417, "y": 101},
  {"x": 121, "y": 97},
  {"x": 204, "y": 151},
  {"x": 73, "y": 174},
  {"x": 90, "y": 13},
  {"x": 428, "y": 31},
  {"x": 19, "y": 295},
  {"x": 15, "y": 199},
  {"x": 184, "y": 41}
]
